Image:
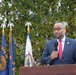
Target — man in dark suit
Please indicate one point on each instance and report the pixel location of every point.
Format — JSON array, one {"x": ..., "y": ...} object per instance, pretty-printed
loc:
[{"x": 52, "y": 54}]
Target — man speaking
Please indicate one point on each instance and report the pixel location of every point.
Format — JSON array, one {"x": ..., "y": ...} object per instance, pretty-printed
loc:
[{"x": 60, "y": 50}]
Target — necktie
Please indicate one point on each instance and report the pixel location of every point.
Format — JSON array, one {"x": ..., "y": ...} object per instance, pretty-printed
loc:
[{"x": 60, "y": 49}]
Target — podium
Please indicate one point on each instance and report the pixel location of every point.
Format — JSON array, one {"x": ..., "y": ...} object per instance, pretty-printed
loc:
[{"x": 49, "y": 70}]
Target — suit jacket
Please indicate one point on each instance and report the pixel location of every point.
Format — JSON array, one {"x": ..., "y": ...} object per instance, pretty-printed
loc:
[{"x": 68, "y": 55}]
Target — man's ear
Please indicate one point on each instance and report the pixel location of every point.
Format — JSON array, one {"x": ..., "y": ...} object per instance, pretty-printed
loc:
[{"x": 65, "y": 30}]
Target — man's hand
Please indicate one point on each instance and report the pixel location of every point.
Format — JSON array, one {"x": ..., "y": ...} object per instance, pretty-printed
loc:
[{"x": 54, "y": 55}]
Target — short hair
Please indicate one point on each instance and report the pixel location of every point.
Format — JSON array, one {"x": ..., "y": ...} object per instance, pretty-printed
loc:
[{"x": 64, "y": 24}]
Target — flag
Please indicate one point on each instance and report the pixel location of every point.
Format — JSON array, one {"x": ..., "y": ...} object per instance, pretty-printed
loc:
[
  {"x": 3, "y": 56},
  {"x": 28, "y": 53},
  {"x": 11, "y": 54}
]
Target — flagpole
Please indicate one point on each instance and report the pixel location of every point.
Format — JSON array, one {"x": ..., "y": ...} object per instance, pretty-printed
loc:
[
  {"x": 11, "y": 52},
  {"x": 3, "y": 27},
  {"x": 28, "y": 49},
  {"x": 10, "y": 25},
  {"x": 28, "y": 24}
]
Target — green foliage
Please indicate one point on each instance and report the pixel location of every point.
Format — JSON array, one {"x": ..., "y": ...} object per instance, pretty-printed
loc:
[{"x": 42, "y": 14}]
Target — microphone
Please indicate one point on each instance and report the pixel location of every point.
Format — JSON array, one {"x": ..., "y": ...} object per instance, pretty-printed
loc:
[{"x": 56, "y": 44}]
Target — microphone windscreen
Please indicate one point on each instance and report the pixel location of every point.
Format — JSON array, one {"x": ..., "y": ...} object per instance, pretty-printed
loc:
[{"x": 56, "y": 44}]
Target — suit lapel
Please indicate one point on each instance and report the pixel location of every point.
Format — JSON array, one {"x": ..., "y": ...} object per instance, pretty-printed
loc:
[{"x": 67, "y": 42}]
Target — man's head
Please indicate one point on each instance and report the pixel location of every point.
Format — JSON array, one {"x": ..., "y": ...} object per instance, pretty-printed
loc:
[{"x": 59, "y": 30}]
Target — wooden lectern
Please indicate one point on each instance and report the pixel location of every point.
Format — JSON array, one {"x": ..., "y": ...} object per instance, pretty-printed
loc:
[{"x": 49, "y": 70}]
